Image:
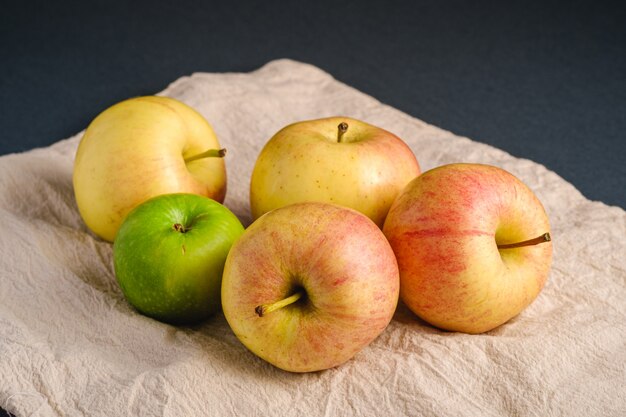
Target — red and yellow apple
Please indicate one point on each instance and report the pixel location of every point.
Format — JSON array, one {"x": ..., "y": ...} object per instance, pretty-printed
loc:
[
  {"x": 336, "y": 160},
  {"x": 473, "y": 246},
  {"x": 309, "y": 285},
  {"x": 141, "y": 148}
]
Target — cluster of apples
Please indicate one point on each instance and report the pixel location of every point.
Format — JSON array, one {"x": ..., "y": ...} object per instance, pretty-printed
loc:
[{"x": 318, "y": 275}]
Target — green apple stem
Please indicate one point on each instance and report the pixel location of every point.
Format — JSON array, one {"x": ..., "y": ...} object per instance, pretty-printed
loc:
[
  {"x": 540, "y": 239},
  {"x": 268, "y": 308},
  {"x": 342, "y": 128},
  {"x": 211, "y": 153}
]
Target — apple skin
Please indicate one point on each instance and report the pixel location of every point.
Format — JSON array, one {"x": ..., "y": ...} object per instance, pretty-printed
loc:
[
  {"x": 305, "y": 162},
  {"x": 171, "y": 274},
  {"x": 444, "y": 229},
  {"x": 343, "y": 262},
  {"x": 136, "y": 150}
]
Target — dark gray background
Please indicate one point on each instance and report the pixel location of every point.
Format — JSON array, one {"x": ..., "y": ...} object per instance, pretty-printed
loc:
[{"x": 544, "y": 80}]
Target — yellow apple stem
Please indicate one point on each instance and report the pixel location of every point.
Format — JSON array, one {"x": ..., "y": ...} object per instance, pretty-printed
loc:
[
  {"x": 268, "y": 308},
  {"x": 540, "y": 239},
  {"x": 342, "y": 128},
  {"x": 211, "y": 153}
]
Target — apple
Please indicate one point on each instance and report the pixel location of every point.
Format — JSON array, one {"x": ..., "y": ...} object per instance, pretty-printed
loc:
[
  {"x": 169, "y": 256},
  {"x": 309, "y": 285},
  {"x": 335, "y": 160},
  {"x": 473, "y": 246},
  {"x": 141, "y": 148}
]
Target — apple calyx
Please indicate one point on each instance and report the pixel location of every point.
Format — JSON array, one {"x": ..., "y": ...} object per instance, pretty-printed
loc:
[
  {"x": 341, "y": 129},
  {"x": 211, "y": 153},
  {"x": 179, "y": 228},
  {"x": 530, "y": 242},
  {"x": 263, "y": 309}
]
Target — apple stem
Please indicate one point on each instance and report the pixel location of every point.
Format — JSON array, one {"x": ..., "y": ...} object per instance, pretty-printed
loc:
[
  {"x": 268, "y": 308},
  {"x": 540, "y": 239},
  {"x": 342, "y": 128},
  {"x": 211, "y": 153}
]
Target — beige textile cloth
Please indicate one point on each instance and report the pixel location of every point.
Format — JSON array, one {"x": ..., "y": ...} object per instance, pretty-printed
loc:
[{"x": 71, "y": 346}]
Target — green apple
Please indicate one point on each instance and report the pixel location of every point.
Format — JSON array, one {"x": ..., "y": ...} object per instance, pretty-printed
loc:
[
  {"x": 473, "y": 246},
  {"x": 309, "y": 285},
  {"x": 169, "y": 256},
  {"x": 336, "y": 160},
  {"x": 141, "y": 148}
]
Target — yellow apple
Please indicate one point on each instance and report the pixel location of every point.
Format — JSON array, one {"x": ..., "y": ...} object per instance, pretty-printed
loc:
[
  {"x": 336, "y": 160},
  {"x": 141, "y": 148},
  {"x": 473, "y": 246}
]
